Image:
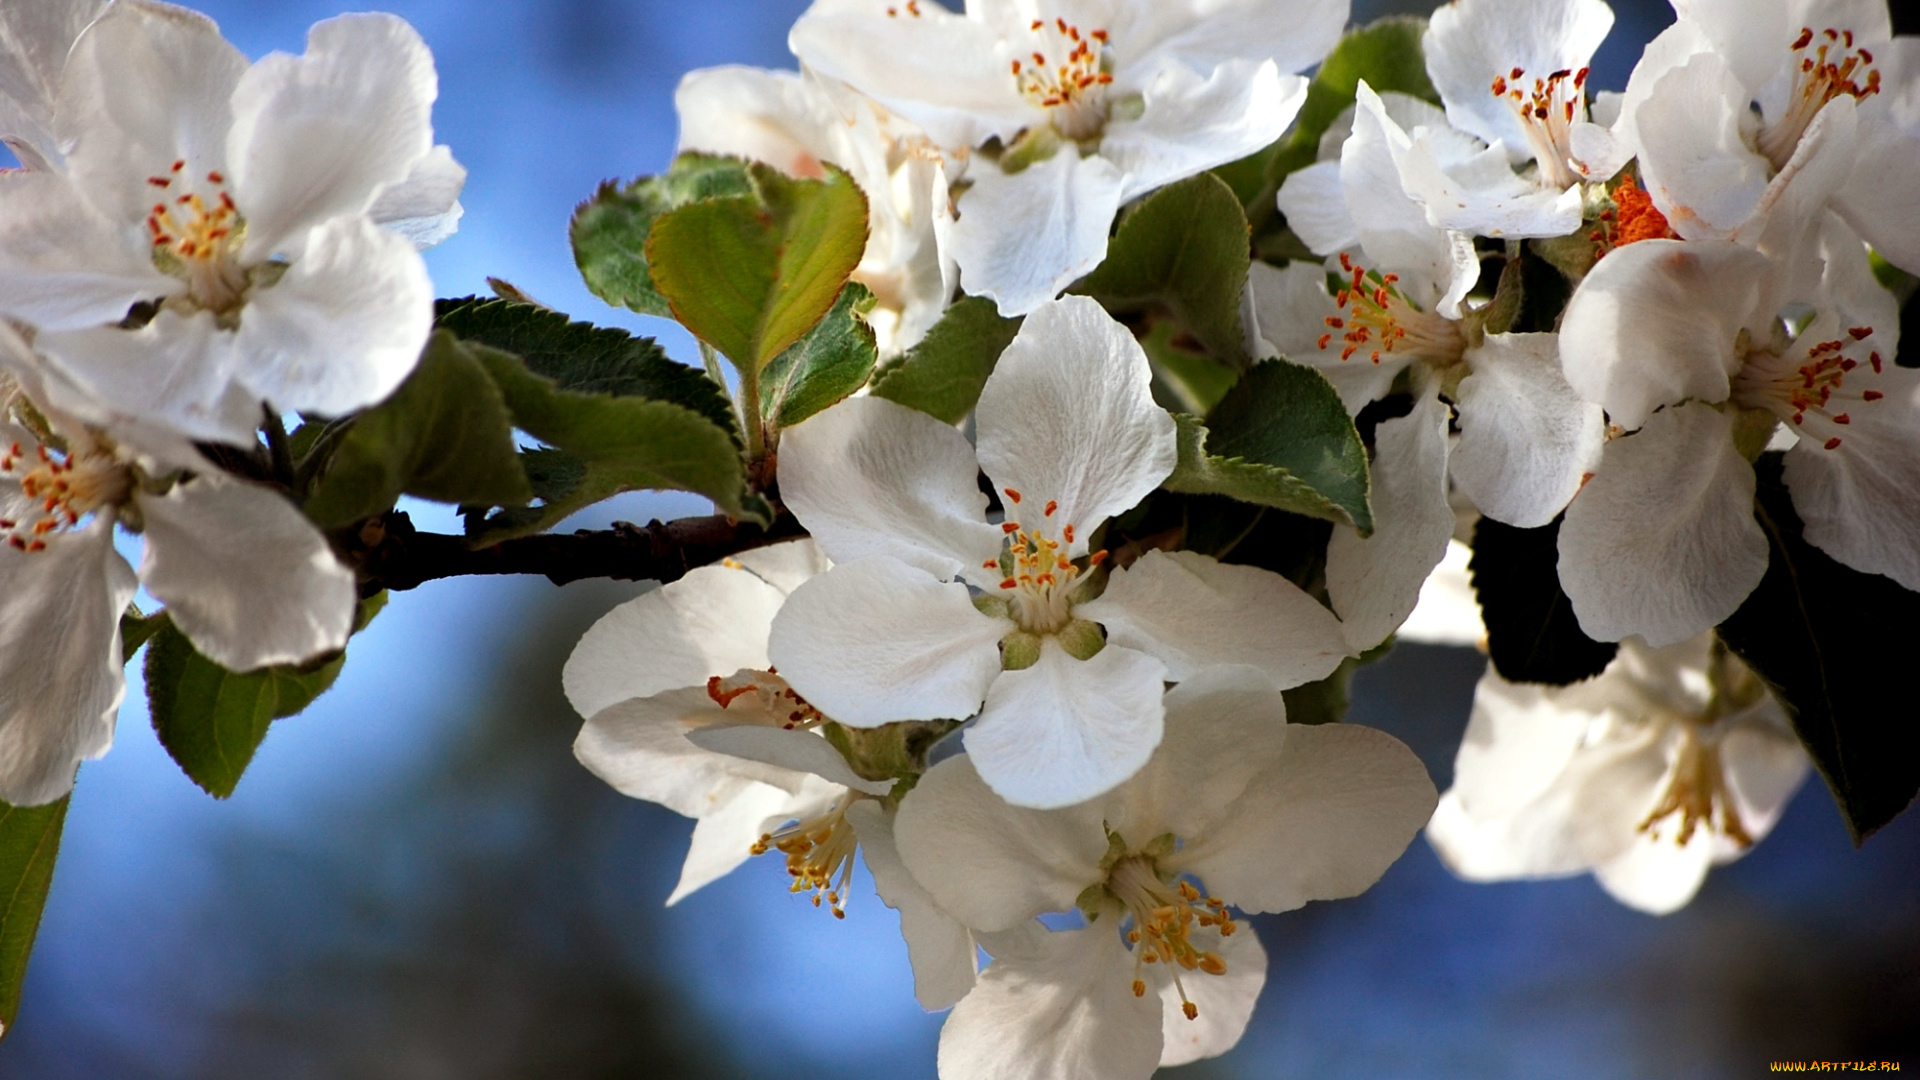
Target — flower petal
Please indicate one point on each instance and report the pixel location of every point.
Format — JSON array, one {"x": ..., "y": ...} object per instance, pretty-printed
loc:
[
  {"x": 1065, "y": 730},
  {"x": 761, "y": 115},
  {"x": 1526, "y": 441},
  {"x": 245, "y": 575},
  {"x": 1471, "y": 42},
  {"x": 425, "y": 207},
  {"x": 991, "y": 864},
  {"x": 321, "y": 135},
  {"x": 1339, "y": 809},
  {"x": 1068, "y": 420},
  {"x": 345, "y": 326},
  {"x": 1192, "y": 123},
  {"x": 1861, "y": 500},
  {"x": 725, "y": 834},
  {"x": 799, "y": 751},
  {"x": 60, "y": 659},
  {"x": 1449, "y": 610},
  {"x": 640, "y": 747},
  {"x": 786, "y": 565},
  {"x": 1223, "y": 726},
  {"x": 944, "y": 958},
  {"x": 1662, "y": 542},
  {"x": 1694, "y": 160},
  {"x": 34, "y": 42},
  {"x": 1204, "y": 34},
  {"x": 63, "y": 266},
  {"x": 1193, "y": 612},
  {"x": 1658, "y": 877},
  {"x": 1375, "y": 582},
  {"x": 1020, "y": 239},
  {"x": 875, "y": 641},
  {"x": 177, "y": 371},
  {"x": 1067, "y": 1014},
  {"x": 1437, "y": 267},
  {"x": 1225, "y": 1002},
  {"x": 870, "y": 477}
]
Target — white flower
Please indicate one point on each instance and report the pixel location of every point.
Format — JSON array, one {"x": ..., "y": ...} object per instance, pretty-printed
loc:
[
  {"x": 1090, "y": 103},
  {"x": 244, "y": 576},
  {"x": 1448, "y": 612},
  {"x": 1668, "y": 763},
  {"x": 682, "y": 709},
  {"x": 1727, "y": 102},
  {"x": 1663, "y": 542},
  {"x": 794, "y": 123},
  {"x": 1238, "y": 809},
  {"x": 34, "y": 41},
  {"x": 210, "y": 241},
  {"x": 1070, "y": 436}
]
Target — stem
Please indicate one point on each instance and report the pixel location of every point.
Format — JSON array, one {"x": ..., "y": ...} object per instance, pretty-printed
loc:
[{"x": 750, "y": 415}]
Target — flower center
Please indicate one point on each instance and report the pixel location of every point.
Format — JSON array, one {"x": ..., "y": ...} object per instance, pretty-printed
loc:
[
  {"x": 1817, "y": 390},
  {"x": 1165, "y": 919},
  {"x": 1379, "y": 320},
  {"x": 819, "y": 853},
  {"x": 59, "y": 491},
  {"x": 197, "y": 238},
  {"x": 766, "y": 693},
  {"x": 1039, "y": 578},
  {"x": 1065, "y": 73},
  {"x": 1828, "y": 66},
  {"x": 1631, "y": 219},
  {"x": 1547, "y": 111},
  {"x": 1695, "y": 790}
]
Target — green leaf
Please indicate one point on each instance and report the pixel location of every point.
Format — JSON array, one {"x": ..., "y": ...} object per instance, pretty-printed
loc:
[
  {"x": 1532, "y": 633},
  {"x": 29, "y": 844},
  {"x": 445, "y": 435},
  {"x": 211, "y": 720},
  {"x": 1184, "y": 381},
  {"x": 943, "y": 374},
  {"x": 750, "y": 274},
  {"x": 828, "y": 364},
  {"x": 616, "y": 444},
  {"x": 1279, "y": 438},
  {"x": 610, "y": 230},
  {"x": 136, "y": 628},
  {"x": 1184, "y": 246},
  {"x": 1834, "y": 644}
]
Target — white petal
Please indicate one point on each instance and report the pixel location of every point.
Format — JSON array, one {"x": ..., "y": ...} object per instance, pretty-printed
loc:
[
  {"x": 870, "y": 477},
  {"x": 177, "y": 371},
  {"x": 34, "y": 42},
  {"x": 799, "y": 751},
  {"x": 1374, "y": 583},
  {"x": 1069, "y": 1014},
  {"x": 244, "y": 575},
  {"x": 1225, "y": 1002},
  {"x": 1315, "y": 204},
  {"x": 749, "y": 112},
  {"x": 1861, "y": 500},
  {"x": 1658, "y": 877},
  {"x": 991, "y": 864},
  {"x": 1065, "y": 730},
  {"x": 60, "y": 680},
  {"x": 875, "y": 641},
  {"x": 1193, "y": 612},
  {"x": 1339, "y": 809},
  {"x": 1882, "y": 197},
  {"x": 345, "y": 326},
  {"x": 941, "y": 950},
  {"x": 1067, "y": 419},
  {"x": 1656, "y": 323},
  {"x": 425, "y": 207},
  {"x": 1484, "y": 196},
  {"x": 727, "y": 829},
  {"x": 321, "y": 135},
  {"x": 1449, "y": 611},
  {"x": 1526, "y": 440},
  {"x": 640, "y": 747},
  {"x": 1662, "y": 542},
  {"x": 1021, "y": 239},
  {"x": 1693, "y": 160},
  {"x": 63, "y": 266},
  {"x": 1192, "y": 123},
  {"x": 1764, "y": 764},
  {"x": 1295, "y": 34},
  {"x": 1470, "y": 42},
  {"x": 714, "y": 621},
  {"x": 784, "y": 566},
  {"x": 1752, "y": 37},
  {"x": 1437, "y": 267},
  {"x": 1223, "y": 726}
]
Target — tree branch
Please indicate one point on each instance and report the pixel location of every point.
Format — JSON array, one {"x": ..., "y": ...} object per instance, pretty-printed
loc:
[{"x": 388, "y": 553}]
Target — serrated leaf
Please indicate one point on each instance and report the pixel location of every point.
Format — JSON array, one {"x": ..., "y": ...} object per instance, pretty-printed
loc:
[
  {"x": 29, "y": 844},
  {"x": 212, "y": 720},
  {"x": 1279, "y": 438},
  {"x": 445, "y": 435},
  {"x": 620, "y": 443},
  {"x": 750, "y": 274},
  {"x": 1833, "y": 643},
  {"x": 825, "y": 366},
  {"x": 1184, "y": 246},
  {"x": 1532, "y": 633},
  {"x": 942, "y": 376},
  {"x": 610, "y": 230},
  {"x": 583, "y": 357}
]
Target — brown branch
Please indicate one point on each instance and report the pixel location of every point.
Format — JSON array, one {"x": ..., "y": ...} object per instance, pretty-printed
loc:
[{"x": 388, "y": 553}]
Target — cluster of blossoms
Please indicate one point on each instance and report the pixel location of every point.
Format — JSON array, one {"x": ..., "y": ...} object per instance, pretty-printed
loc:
[{"x": 980, "y": 670}]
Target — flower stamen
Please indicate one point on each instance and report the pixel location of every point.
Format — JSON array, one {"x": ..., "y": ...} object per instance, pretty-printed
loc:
[
  {"x": 1067, "y": 76},
  {"x": 1829, "y": 66},
  {"x": 819, "y": 853},
  {"x": 1379, "y": 319},
  {"x": 60, "y": 490},
  {"x": 1696, "y": 789},
  {"x": 1164, "y": 917},
  {"x": 197, "y": 238},
  {"x": 1547, "y": 112}
]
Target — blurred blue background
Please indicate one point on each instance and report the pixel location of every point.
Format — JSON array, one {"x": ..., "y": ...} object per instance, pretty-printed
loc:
[{"x": 415, "y": 879}]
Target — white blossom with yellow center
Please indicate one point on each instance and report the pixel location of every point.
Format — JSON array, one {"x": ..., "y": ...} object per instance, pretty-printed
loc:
[
  {"x": 933, "y": 613},
  {"x": 1670, "y": 762},
  {"x": 1237, "y": 810}
]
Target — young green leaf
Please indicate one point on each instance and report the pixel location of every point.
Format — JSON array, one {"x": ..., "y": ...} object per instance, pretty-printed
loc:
[
  {"x": 1532, "y": 633},
  {"x": 610, "y": 230},
  {"x": 1184, "y": 246},
  {"x": 1833, "y": 643},
  {"x": 1184, "y": 381},
  {"x": 943, "y": 374},
  {"x": 750, "y": 274},
  {"x": 444, "y": 435},
  {"x": 29, "y": 844},
  {"x": 1279, "y": 438},
  {"x": 823, "y": 367}
]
